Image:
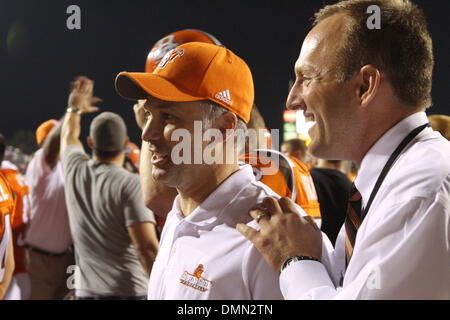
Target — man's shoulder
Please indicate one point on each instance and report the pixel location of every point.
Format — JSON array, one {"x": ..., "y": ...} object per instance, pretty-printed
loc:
[
  {"x": 10, "y": 173},
  {"x": 432, "y": 158},
  {"x": 251, "y": 195},
  {"x": 37, "y": 168},
  {"x": 73, "y": 149},
  {"x": 73, "y": 154},
  {"x": 16, "y": 179},
  {"x": 423, "y": 168},
  {"x": 36, "y": 158},
  {"x": 256, "y": 191},
  {"x": 128, "y": 183},
  {"x": 127, "y": 177}
]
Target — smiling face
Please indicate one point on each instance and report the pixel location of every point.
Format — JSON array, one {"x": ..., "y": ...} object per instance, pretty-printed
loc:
[
  {"x": 163, "y": 119},
  {"x": 324, "y": 100}
]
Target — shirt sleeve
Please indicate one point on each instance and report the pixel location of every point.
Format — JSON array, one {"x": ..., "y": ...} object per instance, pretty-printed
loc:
[
  {"x": 404, "y": 256},
  {"x": 73, "y": 155},
  {"x": 263, "y": 281},
  {"x": 134, "y": 209}
]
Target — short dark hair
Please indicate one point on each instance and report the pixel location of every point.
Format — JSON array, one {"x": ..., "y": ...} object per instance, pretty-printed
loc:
[
  {"x": 108, "y": 133},
  {"x": 402, "y": 47}
]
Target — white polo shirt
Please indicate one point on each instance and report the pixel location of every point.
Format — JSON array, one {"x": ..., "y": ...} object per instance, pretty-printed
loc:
[{"x": 203, "y": 256}]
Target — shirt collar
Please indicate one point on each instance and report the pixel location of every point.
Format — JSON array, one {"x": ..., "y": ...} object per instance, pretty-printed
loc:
[
  {"x": 375, "y": 159},
  {"x": 214, "y": 205}
]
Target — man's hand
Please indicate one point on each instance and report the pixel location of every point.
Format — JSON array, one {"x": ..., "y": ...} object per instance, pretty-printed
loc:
[
  {"x": 139, "y": 114},
  {"x": 284, "y": 233},
  {"x": 81, "y": 95}
]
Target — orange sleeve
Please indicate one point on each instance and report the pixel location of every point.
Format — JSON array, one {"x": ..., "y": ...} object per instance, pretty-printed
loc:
[
  {"x": 20, "y": 189},
  {"x": 306, "y": 192},
  {"x": 6, "y": 201}
]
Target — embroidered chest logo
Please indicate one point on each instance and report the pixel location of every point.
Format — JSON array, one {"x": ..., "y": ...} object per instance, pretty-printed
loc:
[
  {"x": 170, "y": 57},
  {"x": 195, "y": 280}
]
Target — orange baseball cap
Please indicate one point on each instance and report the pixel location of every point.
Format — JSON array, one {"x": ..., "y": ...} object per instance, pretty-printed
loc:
[
  {"x": 191, "y": 72},
  {"x": 44, "y": 129}
]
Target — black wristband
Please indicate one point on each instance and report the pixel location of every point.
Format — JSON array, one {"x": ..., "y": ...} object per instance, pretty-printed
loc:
[{"x": 293, "y": 259}]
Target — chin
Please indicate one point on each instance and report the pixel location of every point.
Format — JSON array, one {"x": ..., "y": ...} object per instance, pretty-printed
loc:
[
  {"x": 164, "y": 177},
  {"x": 159, "y": 174},
  {"x": 317, "y": 150}
]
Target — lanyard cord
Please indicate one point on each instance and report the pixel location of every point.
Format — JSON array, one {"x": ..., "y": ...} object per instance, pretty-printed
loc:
[{"x": 389, "y": 164}]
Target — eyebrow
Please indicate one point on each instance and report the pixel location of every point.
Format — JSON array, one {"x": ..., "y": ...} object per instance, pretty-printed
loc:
[
  {"x": 162, "y": 105},
  {"x": 305, "y": 69}
]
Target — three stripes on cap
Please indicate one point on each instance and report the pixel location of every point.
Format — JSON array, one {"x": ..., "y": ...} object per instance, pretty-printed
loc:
[{"x": 224, "y": 96}]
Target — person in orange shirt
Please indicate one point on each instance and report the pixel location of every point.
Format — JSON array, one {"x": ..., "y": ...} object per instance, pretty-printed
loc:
[
  {"x": 6, "y": 220},
  {"x": 20, "y": 286},
  {"x": 291, "y": 178}
]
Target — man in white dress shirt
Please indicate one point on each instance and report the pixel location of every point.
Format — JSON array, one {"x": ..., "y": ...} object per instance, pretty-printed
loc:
[
  {"x": 367, "y": 90},
  {"x": 197, "y": 87}
]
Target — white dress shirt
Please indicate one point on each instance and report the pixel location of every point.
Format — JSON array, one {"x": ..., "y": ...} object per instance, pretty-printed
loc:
[
  {"x": 402, "y": 248},
  {"x": 203, "y": 256}
]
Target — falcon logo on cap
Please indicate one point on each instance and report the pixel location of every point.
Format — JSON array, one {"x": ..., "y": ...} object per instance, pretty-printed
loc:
[{"x": 170, "y": 57}]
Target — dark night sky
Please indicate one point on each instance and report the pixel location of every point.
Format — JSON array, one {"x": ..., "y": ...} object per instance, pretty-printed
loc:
[{"x": 39, "y": 56}]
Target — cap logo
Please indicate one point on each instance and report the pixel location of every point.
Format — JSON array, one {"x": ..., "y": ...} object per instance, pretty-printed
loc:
[
  {"x": 224, "y": 96},
  {"x": 163, "y": 46},
  {"x": 170, "y": 57}
]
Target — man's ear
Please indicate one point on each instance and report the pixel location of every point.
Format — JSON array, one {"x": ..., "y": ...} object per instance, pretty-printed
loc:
[
  {"x": 90, "y": 143},
  {"x": 126, "y": 141},
  {"x": 369, "y": 81},
  {"x": 227, "y": 123}
]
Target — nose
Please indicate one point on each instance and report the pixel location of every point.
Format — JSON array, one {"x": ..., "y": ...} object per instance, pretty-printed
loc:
[
  {"x": 152, "y": 130},
  {"x": 295, "y": 99}
]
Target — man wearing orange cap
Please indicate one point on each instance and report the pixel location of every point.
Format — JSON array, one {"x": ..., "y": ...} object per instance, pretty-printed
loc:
[
  {"x": 282, "y": 176},
  {"x": 199, "y": 91},
  {"x": 48, "y": 240}
]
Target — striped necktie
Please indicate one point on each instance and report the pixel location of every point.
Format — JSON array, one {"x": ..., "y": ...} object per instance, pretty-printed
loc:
[{"x": 352, "y": 222}]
